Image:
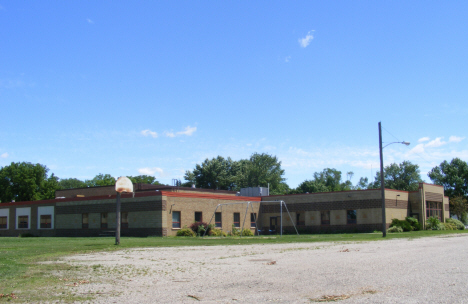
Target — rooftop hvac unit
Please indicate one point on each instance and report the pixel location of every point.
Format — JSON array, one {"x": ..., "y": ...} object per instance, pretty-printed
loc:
[{"x": 254, "y": 191}]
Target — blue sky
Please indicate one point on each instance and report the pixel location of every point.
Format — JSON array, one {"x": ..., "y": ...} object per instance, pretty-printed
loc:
[{"x": 141, "y": 87}]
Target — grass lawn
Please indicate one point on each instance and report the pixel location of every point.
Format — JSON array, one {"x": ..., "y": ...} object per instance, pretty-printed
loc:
[{"x": 24, "y": 273}]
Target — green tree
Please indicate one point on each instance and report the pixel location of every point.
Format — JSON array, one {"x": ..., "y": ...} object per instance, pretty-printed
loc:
[
  {"x": 26, "y": 182},
  {"x": 216, "y": 173},
  {"x": 144, "y": 179},
  {"x": 101, "y": 180},
  {"x": 261, "y": 170},
  {"x": 459, "y": 206},
  {"x": 362, "y": 184},
  {"x": 331, "y": 178},
  {"x": 453, "y": 176},
  {"x": 404, "y": 176},
  {"x": 71, "y": 183},
  {"x": 311, "y": 186}
]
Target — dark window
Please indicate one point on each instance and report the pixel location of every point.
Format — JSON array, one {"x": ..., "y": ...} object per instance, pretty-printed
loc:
[
  {"x": 198, "y": 216},
  {"x": 351, "y": 216},
  {"x": 46, "y": 221},
  {"x": 218, "y": 223},
  {"x": 175, "y": 219},
  {"x": 236, "y": 219},
  {"x": 434, "y": 209},
  {"x": 325, "y": 217},
  {"x": 253, "y": 220},
  {"x": 23, "y": 221},
  {"x": 103, "y": 220},
  {"x": 298, "y": 220},
  {"x": 84, "y": 221},
  {"x": 124, "y": 220},
  {"x": 3, "y": 222}
]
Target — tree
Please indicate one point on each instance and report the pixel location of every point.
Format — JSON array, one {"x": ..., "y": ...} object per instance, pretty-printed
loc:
[
  {"x": 362, "y": 184},
  {"x": 458, "y": 206},
  {"x": 144, "y": 179},
  {"x": 71, "y": 183},
  {"x": 101, "y": 180},
  {"x": 311, "y": 186},
  {"x": 404, "y": 176},
  {"x": 453, "y": 176},
  {"x": 261, "y": 170},
  {"x": 26, "y": 182},
  {"x": 218, "y": 173}
]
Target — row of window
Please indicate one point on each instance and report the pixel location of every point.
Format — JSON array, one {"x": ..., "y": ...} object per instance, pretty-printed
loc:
[
  {"x": 351, "y": 217},
  {"x": 23, "y": 221},
  {"x": 104, "y": 216},
  {"x": 176, "y": 219}
]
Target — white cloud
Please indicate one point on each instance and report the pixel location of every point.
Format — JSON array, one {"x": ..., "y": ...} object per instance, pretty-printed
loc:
[
  {"x": 304, "y": 42},
  {"x": 435, "y": 143},
  {"x": 187, "y": 131},
  {"x": 148, "y": 132},
  {"x": 423, "y": 139},
  {"x": 90, "y": 21},
  {"x": 455, "y": 139},
  {"x": 418, "y": 149},
  {"x": 151, "y": 171},
  {"x": 287, "y": 59},
  {"x": 4, "y": 155}
]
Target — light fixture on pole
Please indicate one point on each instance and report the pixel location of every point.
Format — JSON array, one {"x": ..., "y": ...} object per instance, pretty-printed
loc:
[{"x": 382, "y": 183}]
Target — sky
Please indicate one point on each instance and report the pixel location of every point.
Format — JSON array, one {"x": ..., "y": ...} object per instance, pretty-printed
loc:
[{"x": 156, "y": 87}]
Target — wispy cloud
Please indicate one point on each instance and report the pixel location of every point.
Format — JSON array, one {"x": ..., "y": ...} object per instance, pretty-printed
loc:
[
  {"x": 151, "y": 171},
  {"x": 435, "y": 143},
  {"x": 423, "y": 139},
  {"x": 304, "y": 42},
  {"x": 188, "y": 131},
  {"x": 287, "y": 59},
  {"x": 90, "y": 21},
  {"x": 455, "y": 139},
  {"x": 4, "y": 155},
  {"x": 148, "y": 132}
]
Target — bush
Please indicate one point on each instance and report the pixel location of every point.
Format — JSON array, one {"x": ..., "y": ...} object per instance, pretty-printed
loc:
[
  {"x": 414, "y": 223},
  {"x": 217, "y": 232},
  {"x": 449, "y": 226},
  {"x": 23, "y": 235},
  {"x": 433, "y": 223},
  {"x": 464, "y": 218},
  {"x": 247, "y": 232},
  {"x": 458, "y": 224},
  {"x": 186, "y": 232},
  {"x": 395, "y": 229},
  {"x": 405, "y": 225},
  {"x": 200, "y": 227}
]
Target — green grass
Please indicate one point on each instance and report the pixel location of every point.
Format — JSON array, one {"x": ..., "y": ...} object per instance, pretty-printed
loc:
[{"x": 23, "y": 273}]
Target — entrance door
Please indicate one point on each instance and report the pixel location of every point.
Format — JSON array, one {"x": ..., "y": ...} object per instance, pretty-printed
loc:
[{"x": 273, "y": 224}]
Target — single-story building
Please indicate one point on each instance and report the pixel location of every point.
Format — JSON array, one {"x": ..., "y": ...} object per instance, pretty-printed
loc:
[{"x": 163, "y": 210}]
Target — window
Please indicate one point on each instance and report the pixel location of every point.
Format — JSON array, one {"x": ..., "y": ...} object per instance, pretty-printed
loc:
[
  {"x": 325, "y": 217},
  {"x": 218, "y": 223},
  {"x": 434, "y": 209},
  {"x": 124, "y": 220},
  {"x": 253, "y": 220},
  {"x": 237, "y": 219},
  {"x": 46, "y": 221},
  {"x": 175, "y": 219},
  {"x": 3, "y": 222},
  {"x": 198, "y": 217},
  {"x": 298, "y": 220},
  {"x": 84, "y": 221},
  {"x": 23, "y": 221},
  {"x": 103, "y": 220},
  {"x": 351, "y": 216}
]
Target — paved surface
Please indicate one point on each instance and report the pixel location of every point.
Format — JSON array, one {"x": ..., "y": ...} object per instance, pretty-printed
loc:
[{"x": 426, "y": 270}]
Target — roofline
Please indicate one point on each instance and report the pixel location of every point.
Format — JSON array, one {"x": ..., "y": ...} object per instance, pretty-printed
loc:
[
  {"x": 431, "y": 185},
  {"x": 212, "y": 196}
]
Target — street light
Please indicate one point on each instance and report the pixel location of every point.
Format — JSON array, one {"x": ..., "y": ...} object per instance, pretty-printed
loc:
[{"x": 382, "y": 184}]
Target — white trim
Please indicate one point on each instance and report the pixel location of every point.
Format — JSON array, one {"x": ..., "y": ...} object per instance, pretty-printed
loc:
[
  {"x": 46, "y": 210},
  {"x": 22, "y": 212},
  {"x": 5, "y": 212}
]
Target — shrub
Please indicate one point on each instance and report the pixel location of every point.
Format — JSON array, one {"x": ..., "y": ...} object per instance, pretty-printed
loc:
[
  {"x": 200, "y": 227},
  {"x": 186, "y": 232},
  {"x": 414, "y": 223},
  {"x": 235, "y": 231},
  {"x": 464, "y": 218},
  {"x": 449, "y": 226},
  {"x": 247, "y": 232},
  {"x": 217, "y": 232},
  {"x": 23, "y": 235},
  {"x": 405, "y": 225},
  {"x": 433, "y": 223},
  {"x": 458, "y": 224},
  {"x": 395, "y": 229}
]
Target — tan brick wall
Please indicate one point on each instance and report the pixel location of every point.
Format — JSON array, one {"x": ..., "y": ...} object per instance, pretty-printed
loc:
[
  {"x": 392, "y": 213},
  {"x": 312, "y": 218},
  {"x": 369, "y": 216},
  {"x": 188, "y": 206},
  {"x": 68, "y": 221}
]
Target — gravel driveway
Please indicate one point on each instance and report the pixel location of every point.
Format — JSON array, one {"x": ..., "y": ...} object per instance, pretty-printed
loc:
[{"x": 425, "y": 270}]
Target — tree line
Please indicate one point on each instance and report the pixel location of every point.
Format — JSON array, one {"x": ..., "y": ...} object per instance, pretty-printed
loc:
[{"x": 27, "y": 182}]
